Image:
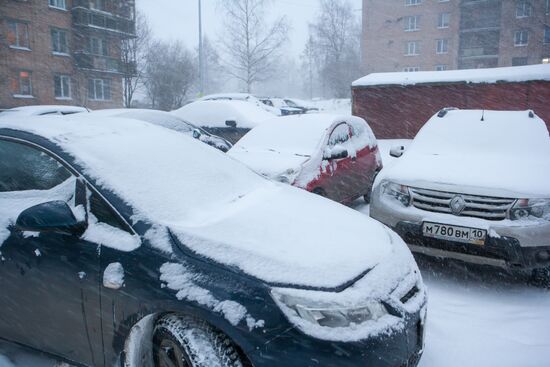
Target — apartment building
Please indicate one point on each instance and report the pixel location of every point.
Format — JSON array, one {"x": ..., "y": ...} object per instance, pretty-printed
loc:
[
  {"x": 415, "y": 35},
  {"x": 64, "y": 51}
]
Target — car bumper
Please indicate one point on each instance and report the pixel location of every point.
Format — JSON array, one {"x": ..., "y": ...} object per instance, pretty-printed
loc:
[
  {"x": 293, "y": 348},
  {"x": 507, "y": 245}
]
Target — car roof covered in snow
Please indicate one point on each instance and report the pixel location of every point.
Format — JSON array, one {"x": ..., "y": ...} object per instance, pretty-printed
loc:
[
  {"x": 215, "y": 205},
  {"x": 157, "y": 117},
  {"x": 490, "y": 75},
  {"x": 295, "y": 134},
  {"x": 42, "y": 110},
  {"x": 232, "y": 96},
  {"x": 214, "y": 113}
]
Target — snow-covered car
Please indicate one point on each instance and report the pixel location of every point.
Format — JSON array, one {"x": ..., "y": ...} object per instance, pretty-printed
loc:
[
  {"x": 475, "y": 186},
  {"x": 42, "y": 110},
  {"x": 169, "y": 121},
  {"x": 281, "y": 105},
  {"x": 290, "y": 104},
  {"x": 247, "y": 97},
  {"x": 125, "y": 243},
  {"x": 330, "y": 155},
  {"x": 230, "y": 119}
]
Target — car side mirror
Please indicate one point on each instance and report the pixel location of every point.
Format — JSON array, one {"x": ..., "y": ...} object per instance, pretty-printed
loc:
[
  {"x": 337, "y": 152},
  {"x": 231, "y": 123},
  {"x": 397, "y": 151},
  {"x": 52, "y": 216},
  {"x": 196, "y": 133}
]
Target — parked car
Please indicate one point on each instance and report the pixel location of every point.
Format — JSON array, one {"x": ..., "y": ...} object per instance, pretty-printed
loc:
[
  {"x": 230, "y": 119},
  {"x": 126, "y": 244},
  {"x": 42, "y": 110},
  {"x": 475, "y": 186},
  {"x": 247, "y": 97},
  {"x": 281, "y": 105},
  {"x": 169, "y": 121},
  {"x": 330, "y": 155}
]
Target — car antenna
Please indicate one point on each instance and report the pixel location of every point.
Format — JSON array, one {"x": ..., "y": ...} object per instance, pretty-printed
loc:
[{"x": 482, "y": 115}]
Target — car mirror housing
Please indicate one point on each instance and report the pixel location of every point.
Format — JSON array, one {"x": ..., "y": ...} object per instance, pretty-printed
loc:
[
  {"x": 231, "y": 123},
  {"x": 52, "y": 216},
  {"x": 337, "y": 152},
  {"x": 196, "y": 133},
  {"x": 397, "y": 151}
]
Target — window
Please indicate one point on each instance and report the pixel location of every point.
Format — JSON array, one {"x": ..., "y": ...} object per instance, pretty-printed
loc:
[
  {"x": 339, "y": 135},
  {"x": 18, "y": 34},
  {"x": 105, "y": 214},
  {"x": 59, "y": 4},
  {"x": 25, "y": 168},
  {"x": 98, "y": 46},
  {"x": 62, "y": 86},
  {"x": 441, "y": 67},
  {"x": 412, "y": 48},
  {"x": 99, "y": 89},
  {"x": 519, "y": 61},
  {"x": 59, "y": 41},
  {"x": 413, "y": 2},
  {"x": 97, "y": 4},
  {"x": 546, "y": 34},
  {"x": 21, "y": 84},
  {"x": 523, "y": 9},
  {"x": 547, "y": 7},
  {"x": 409, "y": 69},
  {"x": 443, "y": 20},
  {"x": 442, "y": 46},
  {"x": 521, "y": 38},
  {"x": 412, "y": 23}
]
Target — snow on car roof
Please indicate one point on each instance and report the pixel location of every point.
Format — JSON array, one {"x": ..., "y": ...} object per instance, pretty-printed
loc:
[
  {"x": 237, "y": 96},
  {"x": 156, "y": 117},
  {"x": 490, "y": 75},
  {"x": 42, "y": 110},
  {"x": 215, "y": 205},
  {"x": 214, "y": 113},
  {"x": 295, "y": 134}
]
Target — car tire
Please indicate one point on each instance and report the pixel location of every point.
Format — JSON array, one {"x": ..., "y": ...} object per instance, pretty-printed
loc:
[
  {"x": 184, "y": 341},
  {"x": 541, "y": 277}
]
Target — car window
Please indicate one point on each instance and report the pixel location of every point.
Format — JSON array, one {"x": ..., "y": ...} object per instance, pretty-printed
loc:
[
  {"x": 105, "y": 214},
  {"x": 339, "y": 135},
  {"x": 23, "y": 167}
]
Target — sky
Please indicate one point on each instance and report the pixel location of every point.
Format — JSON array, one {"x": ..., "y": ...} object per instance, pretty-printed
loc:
[{"x": 178, "y": 19}]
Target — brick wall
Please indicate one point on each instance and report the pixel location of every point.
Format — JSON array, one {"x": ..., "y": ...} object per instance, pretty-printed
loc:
[{"x": 400, "y": 111}]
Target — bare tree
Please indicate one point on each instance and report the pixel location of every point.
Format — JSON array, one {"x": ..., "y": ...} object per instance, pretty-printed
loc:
[
  {"x": 249, "y": 43},
  {"x": 169, "y": 74},
  {"x": 336, "y": 40}
]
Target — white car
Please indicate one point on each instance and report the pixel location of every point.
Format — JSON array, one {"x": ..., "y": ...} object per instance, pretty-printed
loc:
[
  {"x": 473, "y": 185},
  {"x": 241, "y": 97},
  {"x": 42, "y": 110}
]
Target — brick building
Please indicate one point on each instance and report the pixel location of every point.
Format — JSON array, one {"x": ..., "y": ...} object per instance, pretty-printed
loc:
[
  {"x": 396, "y": 105},
  {"x": 421, "y": 35},
  {"x": 64, "y": 51}
]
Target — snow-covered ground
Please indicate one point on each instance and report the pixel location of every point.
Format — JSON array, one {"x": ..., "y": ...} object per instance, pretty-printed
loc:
[
  {"x": 477, "y": 316},
  {"x": 336, "y": 106}
]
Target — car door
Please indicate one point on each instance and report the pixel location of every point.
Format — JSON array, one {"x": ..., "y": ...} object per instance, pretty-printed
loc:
[
  {"x": 365, "y": 164},
  {"x": 49, "y": 283},
  {"x": 337, "y": 180}
]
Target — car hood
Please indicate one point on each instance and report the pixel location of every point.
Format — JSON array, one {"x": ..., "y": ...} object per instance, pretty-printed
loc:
[
  {"x": 515, "y": 175},
  {"x": 283, "y": 235},
  {"x": 270, "y": 163}
]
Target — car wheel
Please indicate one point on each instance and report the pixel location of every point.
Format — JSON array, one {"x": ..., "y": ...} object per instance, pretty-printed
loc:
[
  {"x": 183, "y": 341},
  {"x": 541, "y": 277}
]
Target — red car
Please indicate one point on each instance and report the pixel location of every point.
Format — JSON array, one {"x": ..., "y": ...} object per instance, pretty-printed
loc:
[{"x": 330, "y": 155}]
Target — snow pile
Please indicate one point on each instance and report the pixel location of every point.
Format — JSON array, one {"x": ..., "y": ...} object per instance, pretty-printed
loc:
[
  {"x": 215, "y": 113},
  {"x": 39, "y": 110},
  {"x": 509, "y": 147},
  {"x": 340, "y": 106},
  {"x": 490, "y": 75},
  {"x": 113, "y": 276},
  {"x": 180, "y": 278}
]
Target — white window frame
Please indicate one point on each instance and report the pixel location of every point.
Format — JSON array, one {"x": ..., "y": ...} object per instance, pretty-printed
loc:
[
  {"x": 442, "y": 17},
  {"x": 58, "y": 4},
  {"x": 412, "y": 2},
  {"x": 18, "y": 37},
  {"x": 102, "y": 83},
  {"x": 55, "y": 33},
  {"x": 523, "y": 41},
  {"x": 441, "y": 67},
  {"x": 442, "y": 46},
  {"x": 411, "y": 69},
  {"x": 524, "y": 9},
  {"x": 412, "y": 48},
  {"x": 102, "y": 46},
  {"x": 412, "y": 23},
  {"x": 546, "y": 35},
  {"x": 20, "y": 93},
  {"x": 65, "y": 94}
]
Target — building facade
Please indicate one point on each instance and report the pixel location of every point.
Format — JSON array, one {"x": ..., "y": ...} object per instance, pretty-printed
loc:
[
  {"x": 64, "y": 52},
  {"x": 423, "y": 35}
]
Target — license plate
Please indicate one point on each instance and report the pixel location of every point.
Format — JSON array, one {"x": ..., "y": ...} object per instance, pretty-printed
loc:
[{"x": 474, "y": 236}]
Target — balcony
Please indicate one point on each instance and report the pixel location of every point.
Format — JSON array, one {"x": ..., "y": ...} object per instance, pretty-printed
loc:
[
  {"x": 103, "y": 64},
  {"x": 96, "y": 19}
]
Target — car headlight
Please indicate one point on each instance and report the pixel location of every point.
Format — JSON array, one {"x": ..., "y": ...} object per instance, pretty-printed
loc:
[
  {"x": 396, "y": 191},
  {"x": 326, "y": 315},
  {"x": 534, "y": 208}
]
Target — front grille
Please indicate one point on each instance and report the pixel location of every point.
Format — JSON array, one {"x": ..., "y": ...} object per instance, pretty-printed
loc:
[{"x": 486, "y": 207}]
